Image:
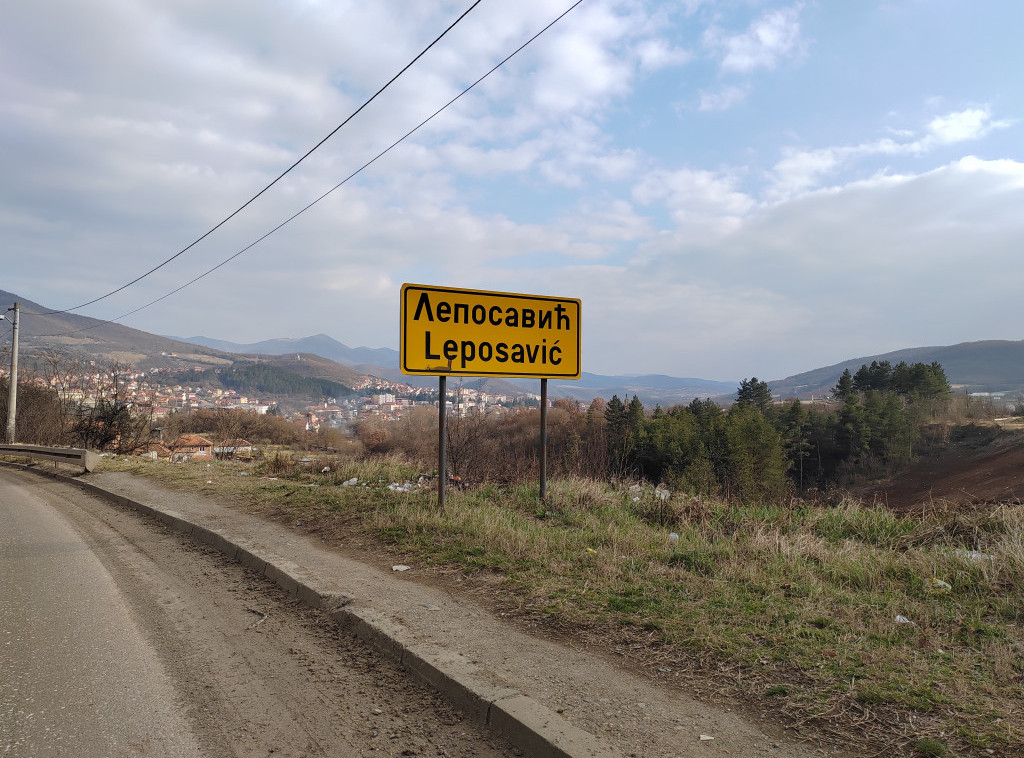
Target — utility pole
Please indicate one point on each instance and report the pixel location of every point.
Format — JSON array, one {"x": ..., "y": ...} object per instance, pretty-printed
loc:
[{"x": 12, "y": 391}]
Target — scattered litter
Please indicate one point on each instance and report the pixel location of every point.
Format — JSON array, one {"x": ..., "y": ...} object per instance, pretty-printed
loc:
[
  {"x": 591, "y": 551},
  {"x": 209, "y": 481},
  {"x": 242, "y": 473},
  {"x": 904, "y": 620},
  {"x": 662, "y": 494},
  {"x": 306, "y": 460},
  {"x": 263, "y": 617},
  {"x": 635, "y": 488},
  {"x": 974, "y": 555},
  {"x": 325, "y": 470},
  {"x": 396, "y": 487},
  {"x": 298, "y": 523},
  {"x": 673, "y": 538},
  {"x": 354, "y": 480},
  {"x": 706, "y": 737},
  {"x": 664, "y": 670},
  {"x": 400, "y": 567},
  {"x": 430, "y": 607},
  {"x": 939, "y": 586}
]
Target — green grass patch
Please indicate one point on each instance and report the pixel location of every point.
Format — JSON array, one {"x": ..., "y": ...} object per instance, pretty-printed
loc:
[{"x": 929, "y": 747}]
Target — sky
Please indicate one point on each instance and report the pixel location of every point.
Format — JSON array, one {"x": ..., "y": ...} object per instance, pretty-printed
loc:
[{"x": 732, "y": 189}]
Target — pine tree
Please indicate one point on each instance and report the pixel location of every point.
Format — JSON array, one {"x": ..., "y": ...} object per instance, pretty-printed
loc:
[
  {"x": 844, "y": 388},
  {"x": 795, "y": 429},
  {"x": 756, "y": 463},
  {"x": 635, "y": 415},
  {"x": 755, "y": 393},
  {"x": 615, "y": 417},
  {"x": 616, "y": 423}
]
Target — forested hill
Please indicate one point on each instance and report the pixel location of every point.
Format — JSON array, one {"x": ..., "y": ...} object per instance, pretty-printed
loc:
[
  {"x": 265, "y": 380},
  {"x": 262, "y": 378},
  {"x": 990, "y": 366},
  {"x": 312, "y": 366},
  {"x": 758, "y": 450}
]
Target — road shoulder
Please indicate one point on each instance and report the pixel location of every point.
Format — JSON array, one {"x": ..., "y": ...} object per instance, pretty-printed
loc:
[{"x": 546, "y": 698}]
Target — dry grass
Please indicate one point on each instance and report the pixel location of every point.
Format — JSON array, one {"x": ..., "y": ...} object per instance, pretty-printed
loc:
[{"x": 791, "y": 606}]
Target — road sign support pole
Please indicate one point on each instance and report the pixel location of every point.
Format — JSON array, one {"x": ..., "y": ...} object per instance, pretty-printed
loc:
[
  {"x": 442, "y": 439},
  {"x": 543, "y": 438}
]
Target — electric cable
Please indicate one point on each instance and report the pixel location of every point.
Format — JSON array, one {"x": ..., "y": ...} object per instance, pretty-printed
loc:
[
  {"x": 279, "y": 177},
  {"x": 332, "y": 189}
]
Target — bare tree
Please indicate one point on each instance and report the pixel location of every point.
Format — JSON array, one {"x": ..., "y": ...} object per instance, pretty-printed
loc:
[
  {"x": 61, "y": 371},
  {"x": 472, "y": 445},
  {"x": 114, "y": 421},
  {"x": 38, "y": 412}
]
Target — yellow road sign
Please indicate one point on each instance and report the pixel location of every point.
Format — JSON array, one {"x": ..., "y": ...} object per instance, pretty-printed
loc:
[{"x": 461, "y": 332}]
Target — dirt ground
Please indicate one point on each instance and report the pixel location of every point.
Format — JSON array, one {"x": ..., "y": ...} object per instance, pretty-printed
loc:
[
  {"x": 640, "y": 708},
  {"x": 981, "y": 464},
  {"x": 258, "y": 673}
]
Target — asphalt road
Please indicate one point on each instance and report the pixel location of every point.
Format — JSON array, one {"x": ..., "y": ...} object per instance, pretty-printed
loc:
[{"x": 119, "y": 639}]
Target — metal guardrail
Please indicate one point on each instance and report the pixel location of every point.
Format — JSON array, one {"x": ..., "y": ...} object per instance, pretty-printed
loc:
[{"x": 84, "y": 458}]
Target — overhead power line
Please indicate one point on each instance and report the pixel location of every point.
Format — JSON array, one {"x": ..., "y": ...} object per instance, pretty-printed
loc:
[
  {"x": 280, "y": 176},
  {"x": 337, "y": 186}
]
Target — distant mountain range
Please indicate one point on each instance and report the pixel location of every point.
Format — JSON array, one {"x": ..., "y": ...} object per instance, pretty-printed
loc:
[
  {"x": 987, "y": 366},
  {"x": 383, "y": 362},
  {"x": 652, "y": 389},
  {"x": 320, "y": 344},
  {"x": 994, "y": 365}
]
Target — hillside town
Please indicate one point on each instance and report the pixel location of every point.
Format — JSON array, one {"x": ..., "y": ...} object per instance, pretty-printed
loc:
[{"x": 158, "y": 394}]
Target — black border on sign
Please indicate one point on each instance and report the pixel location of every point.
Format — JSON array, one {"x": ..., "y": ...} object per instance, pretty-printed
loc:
[{"x": 530, "y": 375}]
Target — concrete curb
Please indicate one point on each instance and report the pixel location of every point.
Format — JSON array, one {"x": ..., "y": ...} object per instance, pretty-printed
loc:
[{"x": 530, "y": 726}]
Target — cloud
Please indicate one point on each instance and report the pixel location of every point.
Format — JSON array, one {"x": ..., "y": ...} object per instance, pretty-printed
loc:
[
  {"x": 880, "y": 260},
  {"x": 769, "y": 39},
  {"x": 132, "y": 128},
  {"x": 855, "y": 270},
  {"x": 723, "y": 99},
  {"x": 969, "y": 124},
  {"x": 703, "y": 204},
  {"x": 581, "y": 69},
  {"x": 655, "y": 54},
  {"x": 801, "y": 170},
  {"x": 579, "y": 151}
]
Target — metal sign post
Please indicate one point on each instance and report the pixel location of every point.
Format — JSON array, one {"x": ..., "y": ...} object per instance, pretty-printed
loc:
[
  {"x": 543, "y": 438},
  {"x": 442, "y": 439}
]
